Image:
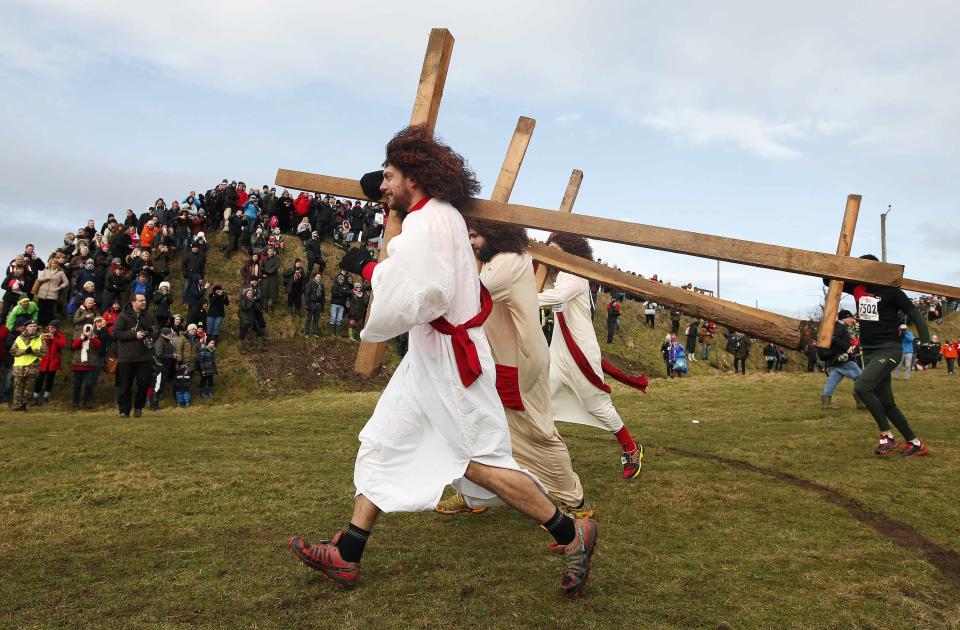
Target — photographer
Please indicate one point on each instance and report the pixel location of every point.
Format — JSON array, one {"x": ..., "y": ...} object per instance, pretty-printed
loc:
[
  {"x": 135, "y": 331},
  {"x": 27, "y": 350},
  {"x": 85, "y": 366}
]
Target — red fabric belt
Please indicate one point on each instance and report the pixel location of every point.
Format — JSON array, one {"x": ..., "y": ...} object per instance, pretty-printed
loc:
[
  {"x": 508, "y": 386},
  {"x": 637, "y": 382},
  {"x": 464, "y": 350}
]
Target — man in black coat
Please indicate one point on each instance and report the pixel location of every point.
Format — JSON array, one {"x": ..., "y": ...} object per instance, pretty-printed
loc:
[{"x": 135, "y": 332}]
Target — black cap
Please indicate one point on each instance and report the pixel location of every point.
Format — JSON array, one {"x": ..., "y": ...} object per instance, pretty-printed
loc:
[
  {"x": 844, "y": 314},
  {"x": 370, "y": 183}
]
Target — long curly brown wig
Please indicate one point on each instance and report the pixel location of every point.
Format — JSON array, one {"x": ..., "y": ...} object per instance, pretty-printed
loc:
[
  {"x": 501, "y": 237},
  {"x": 441, "y": 172},
  {"x": 572, "y": 244}
]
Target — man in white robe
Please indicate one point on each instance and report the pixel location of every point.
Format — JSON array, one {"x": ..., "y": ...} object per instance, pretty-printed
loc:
[
  {"x": 439, "y": 420},
  {"x": 578, "y": 392},
  {"x": 523, "y": 368}
]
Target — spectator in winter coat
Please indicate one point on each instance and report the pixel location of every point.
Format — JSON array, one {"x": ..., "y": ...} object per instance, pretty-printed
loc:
[
  {"x": 207, "y": 366},
  {"x": 234, "y": 232},
  {"x": 707, "y": 332},
  {"x": 165, "y": 368},
  {"x": 251, "y": 317},
  {"x": 742, "y": 352},
  {"x": 24, "y": 308},
  {"x": 949, "y": 353},
  {"x": 116, "y": 286},
  {"x": 188, "y": 347},
  {"x": 613, "y": 318},
  {"x": 27, "y": 350},
  {"x": 675, "y": 316},
  {"x": 17, "y": 287},
  {"x": 141, "y": 285},
  {"x": 50, "y": 363},
  {"x": 162, "y": 303},
  {"x": 270, "y": 271},
  {"x": 311, "y": 248},
  {"x": 47, "y": 288},
  {"x": 906, "y": 362},
  {"x": 665, "y": 353},
  {"x": 839, "y": 356},
  {"x": 304, "y": 230},
  {"x": 339, "y": 294},
  {"x": 148, "y": 234},
  {"x": 358, "y": 311},
  {"x": 87, "y": 274},
  {"x": 692, "y": 331},
  {"x": 315, "y": 298},
  {"x": 294, "y": 281},
  {"x": 677, "y": 352},
  {"x": 771, "y": 355},
  {"x": 216, "y": 311},
  {"x": 85, "y": 366}
]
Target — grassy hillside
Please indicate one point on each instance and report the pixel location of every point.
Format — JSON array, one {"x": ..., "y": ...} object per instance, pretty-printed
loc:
[{"x": 182, "y": 520}]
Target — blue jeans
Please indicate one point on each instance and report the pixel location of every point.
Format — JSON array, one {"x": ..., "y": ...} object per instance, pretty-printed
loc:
[
  {"x": 705, "y": 351},
  {"x": 336, "y": 313},
  {"x": 213, "y": 325},
  {"x": 850, "y": 369}
]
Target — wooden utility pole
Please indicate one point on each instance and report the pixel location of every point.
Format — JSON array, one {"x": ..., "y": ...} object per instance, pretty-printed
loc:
[
  {"x": 831, "y": 305},
  {"x": 566, "y": 205},
  {"x": 426, "y": 106}
]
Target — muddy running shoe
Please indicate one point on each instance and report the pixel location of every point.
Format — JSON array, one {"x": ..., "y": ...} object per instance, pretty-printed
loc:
[
  {"x": 325, "y": 558},
  {"x": 577, "y": 557},
  {"x": 886, "y": 445},
  {"x": 632, "y": 462},
  {"x": 913, "y": 450},
  {"x": 458, "y": 505},
  {"x": 584, "y": 510}
]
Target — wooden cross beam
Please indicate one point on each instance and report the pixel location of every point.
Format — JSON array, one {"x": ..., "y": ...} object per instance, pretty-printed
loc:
[
  {"x": 426, "y": 106},
  {"x": 831, "y": 305},
  {"x": 780, "y": 329},
  {"x": 566, "y": 205},
  {"x": 734, "y": 250}
]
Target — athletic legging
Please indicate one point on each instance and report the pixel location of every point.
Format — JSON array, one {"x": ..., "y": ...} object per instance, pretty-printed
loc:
[{"x": 875, "y": 388}]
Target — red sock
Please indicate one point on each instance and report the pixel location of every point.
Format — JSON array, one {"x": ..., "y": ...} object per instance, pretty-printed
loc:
[{"x": 626, "y": 441}]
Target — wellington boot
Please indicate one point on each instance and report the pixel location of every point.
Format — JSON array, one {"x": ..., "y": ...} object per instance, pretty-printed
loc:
[
  {"x": 351, "y": 335},
  {"x": 826, "y": 403}
]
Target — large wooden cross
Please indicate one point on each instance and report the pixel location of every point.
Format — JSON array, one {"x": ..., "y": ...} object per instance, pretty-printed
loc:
[{"x": 838, "y": 266}]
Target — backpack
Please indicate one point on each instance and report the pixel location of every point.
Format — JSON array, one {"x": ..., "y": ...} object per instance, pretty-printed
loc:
[{"x": 680, "y": 365}]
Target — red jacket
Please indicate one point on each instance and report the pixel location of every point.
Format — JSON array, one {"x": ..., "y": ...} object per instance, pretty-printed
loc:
[
  {"x": 50, "y": 362},
  {"x": 301, "y": 205},
  {"x": 242, "y": 198},
  {"x": 4, "y": 331},
  {"x": 110, "y": 316}
]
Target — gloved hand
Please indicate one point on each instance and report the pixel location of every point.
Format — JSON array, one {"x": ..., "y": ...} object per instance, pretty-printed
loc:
[
  {"x": 355, "y": 260},
  {"x": 843, "y": 358},
  {"x": 370, "y": 183}
]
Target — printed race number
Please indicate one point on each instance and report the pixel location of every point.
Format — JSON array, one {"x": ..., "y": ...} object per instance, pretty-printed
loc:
[{"x": 869, "y": 309}]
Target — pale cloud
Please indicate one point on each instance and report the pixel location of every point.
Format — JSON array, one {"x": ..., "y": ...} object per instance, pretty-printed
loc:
[
  {"x": 567, "y": 119},
  {"x": 751, "y": 133}
]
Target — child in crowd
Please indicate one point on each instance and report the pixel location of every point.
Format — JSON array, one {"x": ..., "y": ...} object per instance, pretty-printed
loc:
[
  {"x": 181, "y": 385},
  {"x": 208, "y": 367}
]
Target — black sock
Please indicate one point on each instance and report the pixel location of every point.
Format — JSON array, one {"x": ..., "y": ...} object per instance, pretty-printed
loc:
[
  {"x": 561, "y": 528},
  {"x": 352, "y": 543}
]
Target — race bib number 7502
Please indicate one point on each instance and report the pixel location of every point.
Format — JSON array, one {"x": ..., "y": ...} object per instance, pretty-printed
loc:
[{"x": 868, "y": 309}]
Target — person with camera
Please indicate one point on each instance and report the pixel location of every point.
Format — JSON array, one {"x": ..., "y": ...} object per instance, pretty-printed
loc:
[
  {"x": 27, "y": 350},
  {"x": 84, "y": 366},
  {"x": 135, "y": 331}
]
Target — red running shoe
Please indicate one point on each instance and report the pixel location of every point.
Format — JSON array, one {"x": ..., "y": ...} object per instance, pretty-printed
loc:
[
  {"x": 577, "y": 557},
  {"x": 632, "y": 462},
  {"x": 886, "y": 445},
  {"x": 325, "y": 558},
  {"x": 912, "y": 450}
]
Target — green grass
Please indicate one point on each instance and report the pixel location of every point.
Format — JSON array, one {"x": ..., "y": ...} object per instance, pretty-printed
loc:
[{"x": 181, "y": 519}]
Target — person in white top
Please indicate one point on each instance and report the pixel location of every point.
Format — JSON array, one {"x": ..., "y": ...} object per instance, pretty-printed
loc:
[
  {"x": 523, "y": 367},
  {"x": 439, "y": 420},
  {"x": 576, "y": 368}
]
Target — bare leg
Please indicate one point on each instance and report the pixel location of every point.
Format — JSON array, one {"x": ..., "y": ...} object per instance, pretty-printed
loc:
[
  {"x": 365, "y": 513},
  {"x": 515, "y": 488}
]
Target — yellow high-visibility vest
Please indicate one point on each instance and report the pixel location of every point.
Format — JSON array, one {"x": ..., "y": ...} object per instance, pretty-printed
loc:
[{"x": 28, "y": 359}]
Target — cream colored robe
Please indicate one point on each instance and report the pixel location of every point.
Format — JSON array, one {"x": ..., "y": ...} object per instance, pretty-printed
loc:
[{"x": 516, "y": 340}]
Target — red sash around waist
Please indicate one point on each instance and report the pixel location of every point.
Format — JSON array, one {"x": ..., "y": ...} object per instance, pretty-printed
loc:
[
  {"x": 637, "y": 382},
  {"x": 464, "y": 350},
  {"x": 508, "y": 386}
]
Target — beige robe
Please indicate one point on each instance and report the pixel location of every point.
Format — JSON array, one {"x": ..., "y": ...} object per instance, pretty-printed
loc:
[
  {"x": 516, "y": 340},
  {"x": 574, "y": 398}
]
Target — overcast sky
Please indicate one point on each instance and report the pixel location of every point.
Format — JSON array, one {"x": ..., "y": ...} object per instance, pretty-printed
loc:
[{"x": 746, "y": 119}]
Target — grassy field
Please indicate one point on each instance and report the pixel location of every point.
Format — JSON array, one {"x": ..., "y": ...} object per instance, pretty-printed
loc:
[{"x": 181, "y": 519}]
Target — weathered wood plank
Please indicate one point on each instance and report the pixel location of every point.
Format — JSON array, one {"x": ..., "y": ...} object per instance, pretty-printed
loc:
[
  {"x": 426, "y": 107},
  {"x": 513, "y": 159},
  {"x": 930, "y": 287},
  {"x": 566, "y": 205},
  {"x": 776, "y": 257},
  {"x": 780, "y": 329},
  {"x": 831, "y": 305}
]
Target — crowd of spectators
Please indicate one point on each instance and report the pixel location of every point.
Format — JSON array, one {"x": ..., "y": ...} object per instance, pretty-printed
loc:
[{"x": 105, "y": 296}]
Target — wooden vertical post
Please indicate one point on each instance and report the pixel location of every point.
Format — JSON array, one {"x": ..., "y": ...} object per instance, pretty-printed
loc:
[
  {"x": 426, "y": 106},
  {"x": 513, "y": 159},
  {"x": 831, "y": 304},
  {"x": 566, "y": 205}
]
